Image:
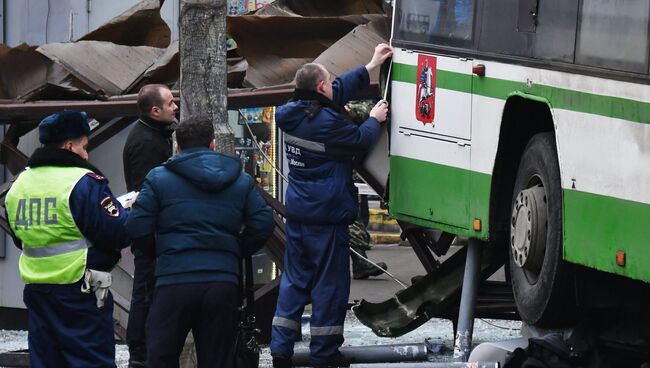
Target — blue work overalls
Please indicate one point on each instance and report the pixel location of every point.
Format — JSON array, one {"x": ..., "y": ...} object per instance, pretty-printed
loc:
[{"x": 321, "y": 202}]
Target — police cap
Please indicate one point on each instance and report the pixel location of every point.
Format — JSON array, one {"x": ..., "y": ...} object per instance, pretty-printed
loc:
[{"x": 63, "y": 125}]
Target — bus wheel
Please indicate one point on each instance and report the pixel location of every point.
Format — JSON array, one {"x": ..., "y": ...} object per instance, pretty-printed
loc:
[{"x": 538, "y": 273}]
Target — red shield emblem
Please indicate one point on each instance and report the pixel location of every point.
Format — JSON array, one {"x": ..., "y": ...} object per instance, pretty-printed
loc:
[{"x": 425, "y": 94}]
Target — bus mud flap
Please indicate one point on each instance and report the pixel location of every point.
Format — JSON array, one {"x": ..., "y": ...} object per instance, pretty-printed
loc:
[{"x": 437, "y": 294}]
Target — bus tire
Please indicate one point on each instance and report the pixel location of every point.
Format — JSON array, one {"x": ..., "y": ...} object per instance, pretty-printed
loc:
[{"x": 540, "y": 278}]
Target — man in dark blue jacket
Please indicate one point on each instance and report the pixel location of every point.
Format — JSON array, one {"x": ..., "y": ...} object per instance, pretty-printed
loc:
[
  {"x": 205, "y": 214},
  {"x": 321, "y": 202}
]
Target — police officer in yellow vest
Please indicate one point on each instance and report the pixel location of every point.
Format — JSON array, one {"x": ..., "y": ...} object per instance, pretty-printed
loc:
[{"x": 70, "y": 229}]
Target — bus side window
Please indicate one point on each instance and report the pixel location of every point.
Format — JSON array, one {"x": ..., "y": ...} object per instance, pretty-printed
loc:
[
  {"x": 429, "y": 20},
  {"x": 418, "y": 18},
  {"x": 455, "y": 20},
  {"x": 509, "y": 28},
  {"x": 614, "y": 35},
  {"x": 463, "y": 18}
]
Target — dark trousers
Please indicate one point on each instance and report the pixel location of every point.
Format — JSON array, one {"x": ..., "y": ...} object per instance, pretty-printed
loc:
[
  {"x": 66, "y": 329},
  {"x": 208, "y": 309},
  {"x": 141, "y": 297},
  {"x": 317, "y": 270}
]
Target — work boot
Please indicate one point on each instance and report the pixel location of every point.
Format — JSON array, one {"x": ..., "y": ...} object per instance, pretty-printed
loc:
[
  {"x": 362, "y": 269},
  {"x": 368, "y": 270},
  {"x": 281, "y": 361}
]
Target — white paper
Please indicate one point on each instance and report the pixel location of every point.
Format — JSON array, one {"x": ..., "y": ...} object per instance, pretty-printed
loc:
[{"x": 124, "y": 198}]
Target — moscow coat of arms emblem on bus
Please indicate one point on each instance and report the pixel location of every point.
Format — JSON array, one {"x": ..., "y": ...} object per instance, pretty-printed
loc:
[{"x": 426, "y": 88}]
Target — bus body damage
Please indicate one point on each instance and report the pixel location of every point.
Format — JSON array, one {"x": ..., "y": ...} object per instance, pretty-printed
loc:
[{"x": 438, "y": 293}]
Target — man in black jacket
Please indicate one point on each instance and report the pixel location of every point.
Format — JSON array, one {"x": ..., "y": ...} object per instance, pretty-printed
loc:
[{"x": 148, "y": 145}]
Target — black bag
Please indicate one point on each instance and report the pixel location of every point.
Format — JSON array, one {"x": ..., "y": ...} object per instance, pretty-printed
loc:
[
  {"x": 553, "y": 351},
  {"x": 247, "y": 351}
]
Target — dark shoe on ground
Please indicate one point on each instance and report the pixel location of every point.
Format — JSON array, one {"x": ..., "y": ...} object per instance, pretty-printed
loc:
[
  {"x": 368, "y": 270},
  {"x": 137, "y": 364},
  {"x": 417, "y": 278},
  {"x": 280, "y": 361}
]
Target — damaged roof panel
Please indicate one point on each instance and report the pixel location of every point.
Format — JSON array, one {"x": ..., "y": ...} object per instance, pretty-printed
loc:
[
  {"x": 141, "y": 25},
  {"x": 22, "y": 69},
  {"x": 273, "y": 47},
  {"x": 166, "y": 69},
  {"x": 281, "y": 44},
  {"x": 26, "y": 73},
  {"x": 272, "y": 70},
  {"x": 285, "y": 36},
  {"x": 354, "y": 49},
  {"x": 120, "y": 65}
]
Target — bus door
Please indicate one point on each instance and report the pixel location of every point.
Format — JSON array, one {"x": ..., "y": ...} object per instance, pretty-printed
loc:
[{"x": 430, "y": 138}]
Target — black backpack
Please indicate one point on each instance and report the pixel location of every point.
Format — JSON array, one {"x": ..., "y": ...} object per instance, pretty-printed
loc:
[{"x": 553, "y": 351}]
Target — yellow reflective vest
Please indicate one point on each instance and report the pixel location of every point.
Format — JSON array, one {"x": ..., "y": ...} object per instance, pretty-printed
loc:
[{"x": 38, "y": 211}]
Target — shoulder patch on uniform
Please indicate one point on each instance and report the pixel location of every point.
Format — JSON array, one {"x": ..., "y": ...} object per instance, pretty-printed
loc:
[
  {"x": 96, "y": 176},
  {"x": 110, "y": 207}
]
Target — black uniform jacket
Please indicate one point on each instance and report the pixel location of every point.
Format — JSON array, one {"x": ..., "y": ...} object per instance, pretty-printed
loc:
[{"x": 148, "y": 145}]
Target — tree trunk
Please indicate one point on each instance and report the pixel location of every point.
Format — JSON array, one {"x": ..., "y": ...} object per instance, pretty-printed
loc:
[
  {"x": 203, "y": 66},
  {"x": 203, "y": 84}
]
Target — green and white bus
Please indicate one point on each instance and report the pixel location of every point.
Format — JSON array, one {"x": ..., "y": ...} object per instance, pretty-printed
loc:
[{"x": 525, "y": 123}]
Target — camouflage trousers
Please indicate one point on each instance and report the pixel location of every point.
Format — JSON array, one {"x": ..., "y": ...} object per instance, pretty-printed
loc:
[
  {"x": 359, "y": 237},
  {"x": 360, "y": 242}
]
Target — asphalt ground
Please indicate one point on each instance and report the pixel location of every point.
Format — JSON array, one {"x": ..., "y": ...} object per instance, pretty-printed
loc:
[{"x": 402, "y": 263}]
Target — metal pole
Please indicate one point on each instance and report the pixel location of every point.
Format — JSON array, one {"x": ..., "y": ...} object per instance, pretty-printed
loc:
[
  {"x": 14, "y": 359},
  {"x": 463, "y": 341},
  {"x": 372, "y": 354},
  {"x": 431, "y": 365}
]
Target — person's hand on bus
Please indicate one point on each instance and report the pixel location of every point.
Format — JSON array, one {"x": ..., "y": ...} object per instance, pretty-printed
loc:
[
  {"x": 382, "y": 52},
  {"x": 380, "y": 111}
]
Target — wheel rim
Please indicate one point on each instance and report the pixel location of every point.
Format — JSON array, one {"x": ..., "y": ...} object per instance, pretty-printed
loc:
[{"x": 528, "y": 226}]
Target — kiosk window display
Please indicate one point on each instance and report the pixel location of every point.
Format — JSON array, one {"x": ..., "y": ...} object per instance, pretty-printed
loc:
[
  {"x": 256, "y": 137},
  {"x": 257, "y": 146}
]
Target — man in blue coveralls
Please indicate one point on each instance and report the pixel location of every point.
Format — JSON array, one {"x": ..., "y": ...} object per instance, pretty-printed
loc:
[
  {"x": 70, "y": 229},
  {"x": 321, "y": 202}
]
